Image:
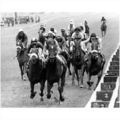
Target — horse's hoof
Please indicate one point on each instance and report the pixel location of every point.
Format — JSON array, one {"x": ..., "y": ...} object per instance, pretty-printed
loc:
[
  {"x": 33, "y": 95},
  {"x": 62, "y": 99},
  {"x": 48, "y": 96},
  {"x": 81, "y": 86}
]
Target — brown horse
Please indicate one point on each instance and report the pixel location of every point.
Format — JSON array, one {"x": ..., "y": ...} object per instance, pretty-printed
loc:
[
  {"x": 36, "y": 72},
  {"x": 103, "y": 29},
  {"x": 94, "y": 66},
  {"x": 22, "y": 58},
  {"x": 77, "y": 61},
  {"x": 55, "y": 72}
]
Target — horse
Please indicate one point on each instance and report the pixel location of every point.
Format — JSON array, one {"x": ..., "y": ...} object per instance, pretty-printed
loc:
[
  {"x": 94, "y": 66},
  {"x": 103, "y": 29},
  {"x": 55, "y": 72},
  {"x": 77, "y": 61},
  {"x": 22, "y": 58},
  {"x": 36, "y": 72},
  {"x": 87, "y": 30}
]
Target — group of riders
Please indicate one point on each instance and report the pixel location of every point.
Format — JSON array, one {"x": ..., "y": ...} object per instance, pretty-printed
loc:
[{"x": 62, "y": 42}]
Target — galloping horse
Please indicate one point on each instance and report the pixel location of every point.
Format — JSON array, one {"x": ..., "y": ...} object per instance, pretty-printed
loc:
[
  {"x": 77, "y": 61},
  {"x": 55, "y": 72},
  {"x": 103, "y": 29},
  {"x": 36, "y": 72},
  {"x": 94, "y": 65},
  {"x": 22, "y": 58}
]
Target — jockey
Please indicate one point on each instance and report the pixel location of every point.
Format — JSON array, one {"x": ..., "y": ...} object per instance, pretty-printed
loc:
[
  {"x": 93, "y": 40},
  {"x": 64, "y": 34},
  {"x": 42, "y": 34},
  {"x": 71, "y": 28},
  {"x": 34, "y": 44},
  {"x": 32, "y": 47},
  {"x": 21, "y": 38},
  {"x": 61, "y": 41},
  {"x": 77, "y": 35},
  {"x": 53, "y": 30},
  {"x": 52, "y": 41},
  {"x": 82, "y": 31},
  {"x": 103, "y": 20},
  {"x": 86, "y": 28}
]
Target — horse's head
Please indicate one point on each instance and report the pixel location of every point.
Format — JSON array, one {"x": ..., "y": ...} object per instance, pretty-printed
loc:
[
  {"x": 72, "y": 46},
  {"x": 52, "y": 53},
  {"x": 33, "y": 58},
  {"x": 75, "y": 48},
  {"x": 94, "y": 55},
  {"x": 19, "y": 49},
  {"x": 35, "y": 55}
]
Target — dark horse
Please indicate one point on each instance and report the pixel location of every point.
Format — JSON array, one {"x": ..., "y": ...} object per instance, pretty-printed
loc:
[
  {"x": 103, "y": 29},
  {"x": 56, "y": 72},
  {"x": 22, "y": 58},
  {"x": 36, "y": 72},
  {"x": 77, "y": 61},
  {"x": 94, "y": 66}
]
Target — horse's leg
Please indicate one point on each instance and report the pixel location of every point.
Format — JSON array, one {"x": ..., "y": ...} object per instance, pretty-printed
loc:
[
  {"x": 42, "y": 83},
  {"x": 99, "y": 77},
  {"x": 21, "y": 71},
  {"x": 77, "y": 75},
  {"x": 88, "y": 82},
  {"x": 104, "y": 32},
  {"x": 24, "y": 71},
  {"x": 32, "y": 90},
  {"x": 81, "y": 75},
  {"x": 69, "y": 68},
  {"x": 73, "y": 74},
  {"x": 49, "y": 86},
  {"x": 60, "y": 88}
]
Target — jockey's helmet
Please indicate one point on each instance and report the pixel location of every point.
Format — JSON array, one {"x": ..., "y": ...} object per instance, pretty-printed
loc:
[
  {"x": 51, "y": 34},
  {"x": 21, "y": 30},
  {"x": 71, "y": 21},
  {"x": 52, "y": 29},
  {"x": 33, "y": 40},
  {"x": 77, "y": 29},
  {"x": 93, "y": 35},
  {"x": 62, "y": 30}
]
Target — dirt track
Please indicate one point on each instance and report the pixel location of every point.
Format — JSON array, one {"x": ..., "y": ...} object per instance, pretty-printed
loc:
[{"x": 15, "y": 92}]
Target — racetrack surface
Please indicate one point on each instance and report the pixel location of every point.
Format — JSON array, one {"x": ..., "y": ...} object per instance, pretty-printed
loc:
[{"x": 16, "y": 93}]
